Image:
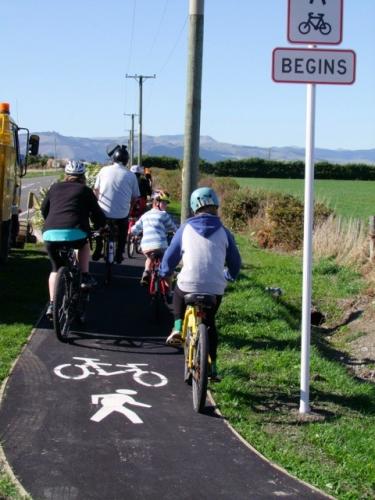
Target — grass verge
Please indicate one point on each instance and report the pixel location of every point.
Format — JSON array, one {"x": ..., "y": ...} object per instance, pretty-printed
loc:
[
  {"x": 23, "y": 293},
  {"x": 332, "y": 448}
]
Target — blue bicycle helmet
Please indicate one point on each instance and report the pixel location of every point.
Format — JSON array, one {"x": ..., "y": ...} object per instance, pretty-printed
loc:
[{"x": 203, "y": 197}]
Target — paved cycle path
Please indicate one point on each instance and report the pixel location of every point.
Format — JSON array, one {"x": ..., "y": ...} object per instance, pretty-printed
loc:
[{"x": 118, "y": 422}]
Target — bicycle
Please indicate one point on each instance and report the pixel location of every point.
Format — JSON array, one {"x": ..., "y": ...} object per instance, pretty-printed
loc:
[
  {"x": 92, "y": 366},
  {"x": 197, "y": 361},
  {"x": 133, "y": 242},
  {"x": 109, "y": 249},
  {"x": 157, "y": 288},
  {"x": 70, "y": 299},
  {"x": 317, "y": 23}
]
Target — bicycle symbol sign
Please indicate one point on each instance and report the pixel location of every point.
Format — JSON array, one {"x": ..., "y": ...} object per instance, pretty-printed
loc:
[
  {"x": 91, "y": 366},
  {"x": 315, "y": 21}
]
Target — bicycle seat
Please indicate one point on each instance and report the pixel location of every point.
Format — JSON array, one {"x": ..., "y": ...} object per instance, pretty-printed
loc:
[{"x": 204, "y": 299}]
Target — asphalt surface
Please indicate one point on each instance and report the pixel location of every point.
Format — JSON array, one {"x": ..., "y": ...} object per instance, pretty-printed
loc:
[{"x": 118, "y": 422}]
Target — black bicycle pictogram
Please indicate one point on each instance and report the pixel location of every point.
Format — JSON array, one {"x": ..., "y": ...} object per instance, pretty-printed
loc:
[{"x": 316, "y": 22}]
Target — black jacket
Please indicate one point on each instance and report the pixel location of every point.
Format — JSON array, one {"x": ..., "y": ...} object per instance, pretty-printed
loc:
[
  {"x": 70, "y": 205},
  {"x": 144, "y": 187}
]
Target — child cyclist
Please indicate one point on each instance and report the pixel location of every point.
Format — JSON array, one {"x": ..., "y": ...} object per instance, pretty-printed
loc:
[
  {"x": 154, "y": 226},
  {"x": 205, "y": 247}
]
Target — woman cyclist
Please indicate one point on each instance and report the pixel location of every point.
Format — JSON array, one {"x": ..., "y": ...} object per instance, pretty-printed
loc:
[{"x": 67, "y": 209}]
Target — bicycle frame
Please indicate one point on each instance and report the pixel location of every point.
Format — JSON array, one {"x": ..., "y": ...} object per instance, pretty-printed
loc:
[
  {"x": 192, "y": 319},
  {"x": 157, "y": 289},
  {"x": 196, "y": 346},
  {"x": 69, "y": 299},
  {"x": 157, "y": 285}
]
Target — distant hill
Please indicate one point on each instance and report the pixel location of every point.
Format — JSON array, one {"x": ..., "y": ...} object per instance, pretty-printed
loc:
[{"x": 93, "y": 149}]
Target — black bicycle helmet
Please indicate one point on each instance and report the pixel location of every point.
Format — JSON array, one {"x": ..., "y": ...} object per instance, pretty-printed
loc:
[{"x": 118, "y": 153}]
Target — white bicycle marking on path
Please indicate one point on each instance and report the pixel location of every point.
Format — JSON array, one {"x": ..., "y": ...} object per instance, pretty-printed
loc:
[
  {"x": 116, "y": 402},
  {"x": 92, "y": 366}
]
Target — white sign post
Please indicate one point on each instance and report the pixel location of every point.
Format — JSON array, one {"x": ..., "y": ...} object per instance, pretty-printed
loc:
[
  {"x": 312, "y": 22},
  {"x": 307, "y": 250}
]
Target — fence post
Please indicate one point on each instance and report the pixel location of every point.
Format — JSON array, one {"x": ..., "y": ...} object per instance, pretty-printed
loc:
[{"x": 372, "y": 237}]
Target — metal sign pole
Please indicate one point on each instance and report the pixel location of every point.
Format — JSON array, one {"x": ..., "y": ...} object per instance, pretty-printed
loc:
[{"x": 307, "y": 249}]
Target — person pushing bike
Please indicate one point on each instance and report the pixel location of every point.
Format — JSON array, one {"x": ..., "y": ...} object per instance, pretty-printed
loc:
[
  {"x": 116, "y": 188},
  {"x": 205, "y": 247},
  {"x": 67, "y": 209}
]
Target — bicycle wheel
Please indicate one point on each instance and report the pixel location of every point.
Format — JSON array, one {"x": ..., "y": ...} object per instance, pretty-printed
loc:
[
  {"x": 200, "y": 369},
  {"x": 187, "y": 372},
  {"x": 304, "y": 28},
  {"x": 62, "y": 311},
  {"x": 138, "y": 246},
  {"x": 130, "y": 246},
  {"x": 325, "y": 29},
  {"x": 109, "y": 255}
]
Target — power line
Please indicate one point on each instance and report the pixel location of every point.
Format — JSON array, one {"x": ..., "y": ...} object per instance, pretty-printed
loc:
[
  {"x": 158, "y": 29},
  {"x": 168, "y": 57},
  {"x": 174, "y": 46},
  {"x": 130, "y": 48}
]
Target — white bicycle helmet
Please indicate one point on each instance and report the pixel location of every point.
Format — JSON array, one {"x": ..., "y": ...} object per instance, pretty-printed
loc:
[
  {"x": 75, "y": 168},
  {"x": 137, "y": 169}
]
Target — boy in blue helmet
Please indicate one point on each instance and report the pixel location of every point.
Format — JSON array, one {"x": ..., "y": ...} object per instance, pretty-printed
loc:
[{"x": 205, "y": 247}]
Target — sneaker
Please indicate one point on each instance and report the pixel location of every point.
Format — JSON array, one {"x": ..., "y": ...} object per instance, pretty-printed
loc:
[
  {"x": 98, "y": 252},
  {"x": 174, "y": 338},
  {"x": 49, "y": 312},
  {"x": 88, "y": 281},
  {"x": 145, "y": 280}
]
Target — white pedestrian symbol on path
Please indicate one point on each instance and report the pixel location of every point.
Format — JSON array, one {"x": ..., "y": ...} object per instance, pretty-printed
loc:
[{"x": 116, "y": 402}]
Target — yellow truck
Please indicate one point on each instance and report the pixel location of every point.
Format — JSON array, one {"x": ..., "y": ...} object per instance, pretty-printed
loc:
[{"x": 13, "y": 166}]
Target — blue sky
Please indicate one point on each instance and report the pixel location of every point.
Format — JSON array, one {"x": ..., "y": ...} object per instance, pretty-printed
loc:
[{"x": 64, "y": 64}]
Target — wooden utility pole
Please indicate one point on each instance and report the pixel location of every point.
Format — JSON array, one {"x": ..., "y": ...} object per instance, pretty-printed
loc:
[
  {"x": 140, "y": 79},
  {"x": 131, "y": 138},
  {"x": 193, "y": 105}
]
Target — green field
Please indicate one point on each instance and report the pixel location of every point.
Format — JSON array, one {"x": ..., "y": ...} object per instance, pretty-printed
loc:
[{"x": 351, "y": 199}]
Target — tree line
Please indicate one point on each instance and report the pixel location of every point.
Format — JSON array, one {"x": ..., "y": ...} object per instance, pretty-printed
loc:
[{"x": 258, "y": 167}]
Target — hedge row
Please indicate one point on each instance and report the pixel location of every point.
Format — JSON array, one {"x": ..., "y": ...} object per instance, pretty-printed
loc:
[{"x": 258, "y": 167}]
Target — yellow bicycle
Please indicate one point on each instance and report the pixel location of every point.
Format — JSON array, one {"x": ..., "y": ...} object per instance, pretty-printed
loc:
[{"x": 196, "y": 345}]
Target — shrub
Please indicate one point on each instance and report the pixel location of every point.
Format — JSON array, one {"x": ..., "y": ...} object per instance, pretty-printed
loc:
[
  {"x": 242, "y": 205},
  {"x": 283, "y": 222},
  {"x": 168, "y": 180}
]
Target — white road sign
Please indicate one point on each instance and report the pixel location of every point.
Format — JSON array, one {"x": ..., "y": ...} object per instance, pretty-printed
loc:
[
  {"x": 315, "y": 21},
  {"x": 292, "y": 65}
]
